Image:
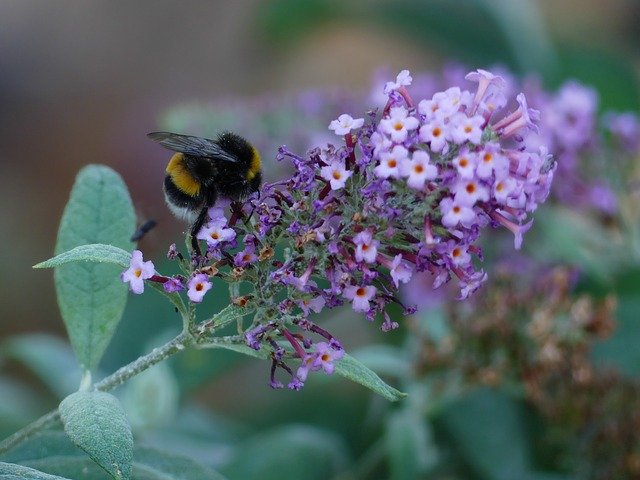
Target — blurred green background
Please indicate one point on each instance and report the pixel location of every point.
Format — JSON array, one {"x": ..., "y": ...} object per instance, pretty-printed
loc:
[{"x": 84, "y": 82}]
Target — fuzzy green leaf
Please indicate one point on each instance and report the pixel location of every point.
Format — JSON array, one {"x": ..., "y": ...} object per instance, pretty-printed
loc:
[
  {"x": 10, "y": 471},
  {"x": 347, "y": 367},
  {"x": 52, "y": 452},
  {"x": 91, "y": 295},
  {"x": 355, "y": 371},
  {"x": 96, "y": 252},
  {"x": 96, "y": 422},
  {"x": 49, "y": 357}
]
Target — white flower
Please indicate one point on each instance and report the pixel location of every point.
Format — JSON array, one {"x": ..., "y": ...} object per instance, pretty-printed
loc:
[
  {"x": 398, "y": 124},
  {"x": 466, "y": 128},
  {"x": 214, "y": 233},
  {"x": 465, "y": 163},
  {"x": 418, "y": 169},
  {"x": 390, "y": 162},
  {"x": 454, "y": 213},
  {"x": 435, "y": 133},
  {"x": 468, "y": 192},
  {"x": 345, "y": 123},
  {"x": 336, "y": 174},
  {"x": 403, "y": 79}
]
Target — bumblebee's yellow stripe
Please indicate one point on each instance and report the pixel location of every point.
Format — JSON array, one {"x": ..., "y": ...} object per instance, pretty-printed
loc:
[
  {"x": 181, "y": 177},
  {"x": 255, "y": 165}
]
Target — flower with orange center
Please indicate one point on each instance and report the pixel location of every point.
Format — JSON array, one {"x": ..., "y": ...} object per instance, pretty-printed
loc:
[
  {"x": 360, "y": 296},
  {"x": 336, "y": 174},
  {"x": 198, "y": 285},
  {"x": 137, "y": 272}
]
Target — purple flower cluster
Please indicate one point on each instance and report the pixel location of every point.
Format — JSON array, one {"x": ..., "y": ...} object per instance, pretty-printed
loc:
[{"x": 409, "y": 190}]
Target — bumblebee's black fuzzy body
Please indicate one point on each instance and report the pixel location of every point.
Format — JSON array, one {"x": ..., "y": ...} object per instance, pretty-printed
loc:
[{"x": 203, "y": 170}]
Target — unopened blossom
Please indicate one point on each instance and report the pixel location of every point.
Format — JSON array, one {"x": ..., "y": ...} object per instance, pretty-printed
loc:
[
  {"x": 360, "y": 296},
  {"x": 345, "y": 123},
  {"x": 485, "y": 80},
  {"x": 522, "y": 118},
  {"x": 173, "y": 285},
  {"x": 216, "y": 216},
  {"x": 366, "y": 247},
  {"x": 137, "y": 272},
  {"x": 198, "y": 285},
  {"x": 336, "y": 174},
  {"x": 418, "y": 169}
]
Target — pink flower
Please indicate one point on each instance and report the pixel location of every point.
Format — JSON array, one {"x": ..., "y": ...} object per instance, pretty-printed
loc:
[
  {"x": 454, "y": 213},
  {"x": 214, "y": 233},
  {"x": 360, "y": 296},
  {"x": 198, "y": 285},
  {"x": 137, "y": 272},
  {"x": 325, "y": 357},
  {"x": 366, "y": 247},
  {"x": 400, "y": 271}
]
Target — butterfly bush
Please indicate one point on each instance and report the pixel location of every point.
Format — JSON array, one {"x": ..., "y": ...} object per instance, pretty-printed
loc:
[{"x": 411, "y": 189}]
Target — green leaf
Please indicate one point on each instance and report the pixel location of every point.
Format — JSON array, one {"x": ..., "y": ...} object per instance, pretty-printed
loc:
[
  {"x": 620, "y": 350},
  {"x": 151, "y": 397},
  {"x": 295, "y": 451},
  {"x": 10, "y": 471},
  {"x": 410, "y": 446},
  {"x": 347, "y": 367},
  {"x": 95, "y": 252},
  {"x": 91, "y": 295},
  {"x": 489, "y": 430},
  {"x": 96, "y": 422},
  {"x": 153, "y": 464},
  {"x": 355, "y": 371},
  {"x": 52, "y": 452},
  {"x": 20, "y": 404},
  {"x": 49, "y": 357}
]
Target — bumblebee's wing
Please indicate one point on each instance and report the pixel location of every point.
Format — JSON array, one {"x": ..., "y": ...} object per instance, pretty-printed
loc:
[{"x": 196, "y": 146}]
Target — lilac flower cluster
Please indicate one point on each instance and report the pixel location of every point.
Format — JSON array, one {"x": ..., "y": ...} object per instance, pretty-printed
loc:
[{"x": 410, "y": 190}]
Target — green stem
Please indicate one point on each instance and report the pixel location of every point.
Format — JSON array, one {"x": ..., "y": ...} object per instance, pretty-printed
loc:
[{"x": 109, "y": 383}]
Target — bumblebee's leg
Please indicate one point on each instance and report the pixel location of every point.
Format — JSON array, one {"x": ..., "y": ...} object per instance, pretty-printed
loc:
[
  {"x": 209, "y": 200},
  {"x": 195, "y": 228}
]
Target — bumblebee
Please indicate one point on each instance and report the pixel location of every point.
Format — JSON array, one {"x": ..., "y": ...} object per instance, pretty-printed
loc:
[{"x": 203, "y": 170}]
